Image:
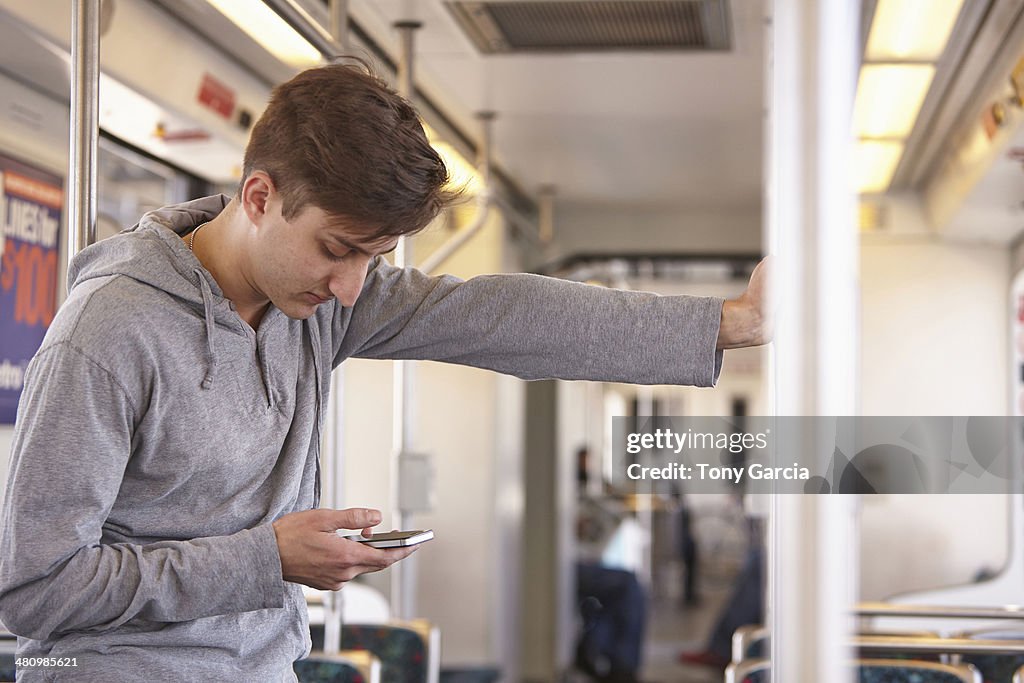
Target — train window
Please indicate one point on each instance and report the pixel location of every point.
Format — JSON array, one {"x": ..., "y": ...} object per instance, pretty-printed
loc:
[{"x": 130, "y": 183}]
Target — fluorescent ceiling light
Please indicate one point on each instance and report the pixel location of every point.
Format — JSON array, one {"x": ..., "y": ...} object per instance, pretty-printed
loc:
[
  {"x": 889, "y": 97},
  {"x": 263, "y": 25},
  {"x": 911, "y": 30},
  {"x": 875, "y": 164}
]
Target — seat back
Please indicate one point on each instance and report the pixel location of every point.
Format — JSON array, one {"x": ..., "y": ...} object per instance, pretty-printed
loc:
[
  {"x": 998, "y": 668},
  {"x": 868, "y": 671},
  {"x": 357, "y": 666},
  {"x": 749, "y": 642},
  {"x": 910, "y": 671},
  {"x": 408, "y": 651},
  {"x": 749, "y": 671}
]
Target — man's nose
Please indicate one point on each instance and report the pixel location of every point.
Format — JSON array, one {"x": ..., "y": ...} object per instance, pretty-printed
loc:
[{"x": 347, "y": 282}]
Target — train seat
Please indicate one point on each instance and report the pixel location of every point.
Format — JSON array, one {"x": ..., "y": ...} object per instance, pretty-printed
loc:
[
  {"x": 355, "y": 666},
  {"x": 869, "y": 671},
  {"x": 908, "y": 671},
  {"x": 996, "y": 668}
]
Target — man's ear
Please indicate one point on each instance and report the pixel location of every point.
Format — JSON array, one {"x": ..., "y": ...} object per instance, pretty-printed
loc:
[{"x": 257, "y": 191}]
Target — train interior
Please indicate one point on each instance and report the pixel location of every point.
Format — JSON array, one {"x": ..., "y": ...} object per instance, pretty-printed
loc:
[{"x": 650, "y": 146}]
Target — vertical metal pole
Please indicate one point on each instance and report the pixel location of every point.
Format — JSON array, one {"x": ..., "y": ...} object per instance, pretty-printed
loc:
[
  {"x": 338, "y": 10},
  {"x": 407, "y": 33},
  {"x": 85, "y": 85},
  {"x": 334, "y": 464},
  {"x": 810, "y": 217},
  {"x": 645, "y": 489},
  {"x": 546, "y": 211},
  {"x": 334, "y": 601},
  {"x": 402, "y": 425},
  {"x": 483, "y": 156}
]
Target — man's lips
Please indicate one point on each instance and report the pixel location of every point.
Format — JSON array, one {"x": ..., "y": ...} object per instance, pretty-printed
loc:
[{"x": 314, "y": 299}]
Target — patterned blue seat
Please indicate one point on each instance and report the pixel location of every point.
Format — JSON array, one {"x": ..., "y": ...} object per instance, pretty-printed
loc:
[
  {"x": 470, "y": 675},
  {"x": 314, "y": 670},
  {"x": 995, "y": 668},
  {"x": 402, "y": 651},
  {"x": 905, "y": 671},
  {"x": 869, "y": 671},
  {"x": 762, "y": 676},
  {"x": 408, "y": 650}
]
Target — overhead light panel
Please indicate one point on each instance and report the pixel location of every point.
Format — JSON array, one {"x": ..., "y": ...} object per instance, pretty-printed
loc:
[
  {"x": 875, "y": 164},
  {"x": 907, "y": 38},
  {"x": 889, "y": 97},
  {"x": 911, "y": 30},
  {"x": 273, "y": 33}
]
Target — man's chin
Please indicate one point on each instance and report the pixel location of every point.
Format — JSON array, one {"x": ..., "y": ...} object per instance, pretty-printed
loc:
[{"x": 299, "y": 311}]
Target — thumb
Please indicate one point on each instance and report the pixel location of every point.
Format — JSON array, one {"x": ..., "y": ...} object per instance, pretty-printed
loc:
[{"x": 354, "y": 518}]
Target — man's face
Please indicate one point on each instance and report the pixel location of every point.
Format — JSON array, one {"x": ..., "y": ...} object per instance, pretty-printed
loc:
[{"x": 301, "y": 263}]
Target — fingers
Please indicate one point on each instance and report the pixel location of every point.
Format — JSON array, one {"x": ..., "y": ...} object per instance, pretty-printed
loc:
[
  {"x": 383, "y": 558},
  {"x": 353, "y": 518}
]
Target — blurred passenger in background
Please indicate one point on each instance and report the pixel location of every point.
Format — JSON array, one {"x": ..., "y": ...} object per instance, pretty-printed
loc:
[
  {"x": 744, "y": 607},
  {"x": 612, "y": 603}
]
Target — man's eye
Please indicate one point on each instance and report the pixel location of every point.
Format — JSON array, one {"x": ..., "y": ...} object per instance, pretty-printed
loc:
[{"x": 332, "y": 256}]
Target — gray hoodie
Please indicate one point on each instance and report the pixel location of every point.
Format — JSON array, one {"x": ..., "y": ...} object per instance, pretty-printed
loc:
[{"x": 159, "y": 436}]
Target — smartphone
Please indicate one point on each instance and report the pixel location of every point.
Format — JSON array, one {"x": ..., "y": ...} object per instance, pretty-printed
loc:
[{"x": 393, "y": 539}]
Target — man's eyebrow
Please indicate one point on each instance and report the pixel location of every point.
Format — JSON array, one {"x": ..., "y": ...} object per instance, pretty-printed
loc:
[{"x": 355, "y": 247}]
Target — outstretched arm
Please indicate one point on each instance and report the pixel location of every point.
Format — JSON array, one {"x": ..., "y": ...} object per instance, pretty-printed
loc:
[{"x": 532, "y": 327}]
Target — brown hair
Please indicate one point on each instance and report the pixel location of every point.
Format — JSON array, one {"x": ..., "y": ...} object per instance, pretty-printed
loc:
[{"x": 336, "y": 137}]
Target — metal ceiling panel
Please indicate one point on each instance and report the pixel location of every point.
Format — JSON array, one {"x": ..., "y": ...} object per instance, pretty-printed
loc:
[{"x": 504, "y": 26}]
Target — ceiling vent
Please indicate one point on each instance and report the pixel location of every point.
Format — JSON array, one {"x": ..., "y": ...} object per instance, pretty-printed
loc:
[{"x": 507, "y": 26}]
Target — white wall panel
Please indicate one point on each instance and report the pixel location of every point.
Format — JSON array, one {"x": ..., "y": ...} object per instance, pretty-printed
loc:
[{"x": 934, "y": 342}]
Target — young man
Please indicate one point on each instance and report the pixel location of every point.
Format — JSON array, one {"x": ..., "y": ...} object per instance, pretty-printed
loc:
[{"x": 161, "y": 508}]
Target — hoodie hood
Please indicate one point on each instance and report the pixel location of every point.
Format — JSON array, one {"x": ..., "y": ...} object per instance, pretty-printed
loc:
[
  {"x": 139, "y": 251},
  {"x": 153, "y": 253}
]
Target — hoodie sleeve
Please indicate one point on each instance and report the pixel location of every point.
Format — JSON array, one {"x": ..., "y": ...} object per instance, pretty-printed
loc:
[
  {"x": 535, "y": 327},
  {"x": 71, "y": 445}
]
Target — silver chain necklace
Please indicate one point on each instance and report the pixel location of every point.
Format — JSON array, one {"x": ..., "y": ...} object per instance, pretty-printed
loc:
[{"x": 192, "y": 236}]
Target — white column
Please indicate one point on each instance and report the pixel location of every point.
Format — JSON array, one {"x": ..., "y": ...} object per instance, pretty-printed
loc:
[{"x": 810, "y": 221}]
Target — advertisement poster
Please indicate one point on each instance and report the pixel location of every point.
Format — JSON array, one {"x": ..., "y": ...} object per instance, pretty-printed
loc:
[{"x": 31, "y": 202}]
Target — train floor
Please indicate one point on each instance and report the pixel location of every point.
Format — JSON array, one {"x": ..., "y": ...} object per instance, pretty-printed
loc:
[{"x": 674, "y": 627}]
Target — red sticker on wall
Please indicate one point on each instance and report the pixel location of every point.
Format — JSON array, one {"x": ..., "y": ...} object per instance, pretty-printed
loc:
[{"x": 217, "y": 96}]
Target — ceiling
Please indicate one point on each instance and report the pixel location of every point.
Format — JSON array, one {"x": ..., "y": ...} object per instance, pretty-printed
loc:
[
  {"x": 667, "y": 129},
  {"x": 671, "y": 131}
]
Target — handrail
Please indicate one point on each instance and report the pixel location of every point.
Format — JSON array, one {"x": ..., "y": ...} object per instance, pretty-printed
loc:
[
  {"x": 484, "y": 204},
  {"x": 886, "y": 609},
  {"x": 914, "y": 645}
]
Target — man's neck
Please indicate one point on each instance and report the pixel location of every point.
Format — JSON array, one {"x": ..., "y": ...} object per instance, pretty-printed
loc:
[{"x": 220, "y": 248}]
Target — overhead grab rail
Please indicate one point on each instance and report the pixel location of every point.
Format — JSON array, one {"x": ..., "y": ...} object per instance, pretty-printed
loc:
[{"x": 485, "y": 202}]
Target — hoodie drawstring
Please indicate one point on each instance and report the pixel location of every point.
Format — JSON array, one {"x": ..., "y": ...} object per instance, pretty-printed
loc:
[
  {"x": 314, "y": 337},
  {"x": 211, "y": 360}
]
